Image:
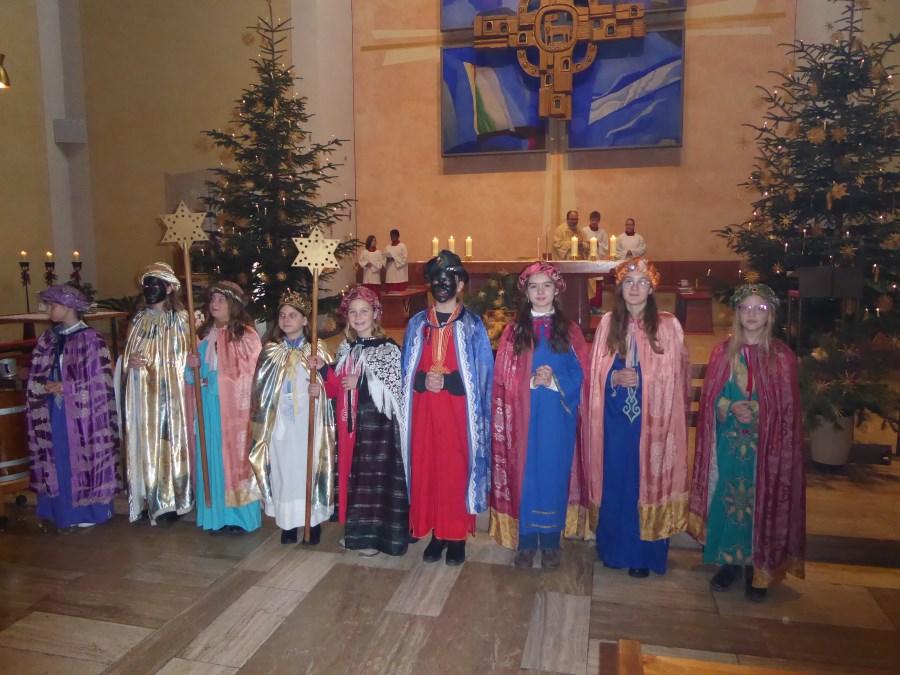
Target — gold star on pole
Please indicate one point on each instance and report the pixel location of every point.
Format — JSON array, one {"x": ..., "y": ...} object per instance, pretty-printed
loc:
[
  {"x": 316, "y": 253},
  {"x": 183, "y": 227}
]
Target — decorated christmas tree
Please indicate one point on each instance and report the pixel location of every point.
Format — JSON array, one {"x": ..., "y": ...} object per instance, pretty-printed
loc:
[
  {"x": 826, "y": 177},
  {"x": 268, "y": 191}
]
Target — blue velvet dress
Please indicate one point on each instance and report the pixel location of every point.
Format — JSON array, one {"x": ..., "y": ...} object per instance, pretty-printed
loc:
[
  {"x": 551, "y": 447},
  {"x": 619, "y": 542}
]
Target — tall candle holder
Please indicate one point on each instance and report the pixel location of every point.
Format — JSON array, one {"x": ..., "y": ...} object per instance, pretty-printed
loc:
[
  {"x": 76, "y": 272},
  {"x": 50, "y": 272},
  {"x": 25, "y": 275}
]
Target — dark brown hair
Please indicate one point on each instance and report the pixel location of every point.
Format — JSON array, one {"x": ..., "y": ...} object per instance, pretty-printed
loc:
[
  {"x": 617, "y": 339},
  {"x": 275, "y": 334},
  {"x": 523, "y": 329}
]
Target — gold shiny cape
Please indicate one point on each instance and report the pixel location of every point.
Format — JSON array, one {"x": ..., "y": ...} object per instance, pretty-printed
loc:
[
  {"x": 157, "y": 451},
  {"x": 274, "y": 362}
]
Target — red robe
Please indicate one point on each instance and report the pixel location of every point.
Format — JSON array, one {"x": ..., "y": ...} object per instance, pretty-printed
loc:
[
  {"x": 439, "y": 459},
  {"x": 779, "y": 514}
]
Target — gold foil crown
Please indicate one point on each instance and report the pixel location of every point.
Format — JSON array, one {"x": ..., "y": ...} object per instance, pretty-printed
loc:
[{"x": 299, "y": 302}]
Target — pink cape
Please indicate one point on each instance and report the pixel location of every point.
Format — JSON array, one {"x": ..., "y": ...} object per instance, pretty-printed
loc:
[
  {"x": 665, "y": 406},
  {"x": 511, "y": 405},
  {"x": 779, "y": 513}
]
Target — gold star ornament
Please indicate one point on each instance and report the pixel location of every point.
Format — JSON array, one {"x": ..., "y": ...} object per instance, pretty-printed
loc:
[
  {"x": 183, "y": 227},
  {"x": 316, "y": 253}
]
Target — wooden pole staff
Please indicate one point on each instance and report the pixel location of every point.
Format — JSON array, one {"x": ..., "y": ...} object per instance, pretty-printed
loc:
[
  {"x": 183, "y": 228},
  {"x": 311, "y": 435},
  {"x": 198, "y": 394},
  {"x": 316, "y": 253}
]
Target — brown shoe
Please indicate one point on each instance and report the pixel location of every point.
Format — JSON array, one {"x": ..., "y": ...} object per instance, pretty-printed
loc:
[
  {"x": 551, "y": 558},
  {"x": 524, "y": 560}
]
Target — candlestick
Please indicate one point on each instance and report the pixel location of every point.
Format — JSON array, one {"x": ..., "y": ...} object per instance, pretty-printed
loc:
[
  {"x": 76, "y": 271},
  {"x": 612, "y": 247},
  {"x": 593, "y": 248},
  {"x": 574, "y": 251},
  {"x": 538, "y": 249},
  {"x": 451, "y": 244},
  {"x": 49, "y": 272},
  {"x": 435, "y": 244},
  {"x": 468, "y": 247}
]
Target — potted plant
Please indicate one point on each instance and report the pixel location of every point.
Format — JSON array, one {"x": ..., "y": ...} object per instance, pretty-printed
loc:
[{"x": 842, "y": 381}]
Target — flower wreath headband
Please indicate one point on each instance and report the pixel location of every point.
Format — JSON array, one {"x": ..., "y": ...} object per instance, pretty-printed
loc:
[
  {"x": 642, "y": 265},
  {"x": 542, "y": 267},
  {"x": 747, "y": 290}
]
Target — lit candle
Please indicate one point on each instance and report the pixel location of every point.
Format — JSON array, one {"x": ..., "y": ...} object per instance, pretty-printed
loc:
[
  {"x": 76, "y": 255},
  {"x": 785, "y": 247},
  {"x": 612, "y": 247},
  {"x": 574, "y": 252},
  {"x": 451, "y": 244},
  {"x": 24, "y": 255},
  {"x": 49, "y": 256},
  {"x": 593, "y": 248},
  {"x": 434, "y": 247},
  {"x": 875, "y": 273},
  {"x": 469, "y": 247},
  {"x": 708, "y": 272}
]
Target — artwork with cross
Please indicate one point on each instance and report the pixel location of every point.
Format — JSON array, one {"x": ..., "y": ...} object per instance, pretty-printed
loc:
[{"x": 599, "y": 66}]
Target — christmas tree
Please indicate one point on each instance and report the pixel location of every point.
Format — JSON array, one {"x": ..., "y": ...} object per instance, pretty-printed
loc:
[
  {"x": 270, "y": 193},
  {"x": 826, "y": 177}
]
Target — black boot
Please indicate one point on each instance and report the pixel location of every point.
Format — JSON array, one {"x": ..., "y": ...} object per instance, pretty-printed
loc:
[
  {"x": 751, "y": 592},
  {"x": 638, "y": 572},
  {"x": 289, "y": 536},
  {"x": 456, "y": 552},
  {"x": 434, "y": 550},
  {"x": 723, "y": 579},
  {"x": 315, "y": 535}
]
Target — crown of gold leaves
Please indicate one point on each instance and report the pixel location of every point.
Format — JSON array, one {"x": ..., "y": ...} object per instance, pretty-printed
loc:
[{"x": 299, "y": 302}]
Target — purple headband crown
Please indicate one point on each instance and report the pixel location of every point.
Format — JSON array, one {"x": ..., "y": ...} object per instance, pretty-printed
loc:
[
  {"x": 539, "y": 267},
  {"x": 361, "y": 293},
  {"x": 67, "y": 296}
]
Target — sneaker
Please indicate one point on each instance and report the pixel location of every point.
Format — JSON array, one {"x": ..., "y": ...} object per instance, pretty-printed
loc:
[
  {"x": 368, "y": 552},
  {"x": 289, "y": 536},
  {"x": 342, "y": 542},
  {"x": 86, "y": 524},
  {"x": 434, "y": 550},
  {"x": 638, "y": 572},
  {"x": 551, "y": 558},
  {"x": 524, "y": 560},
  {"x": 456, "y": 553},
  {"x": 725, "y": 577}
]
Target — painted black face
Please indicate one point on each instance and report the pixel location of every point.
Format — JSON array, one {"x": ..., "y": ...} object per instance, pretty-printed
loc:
[
  {"x": 443, "y": 286},
  {"x": 154, "y": 290}
]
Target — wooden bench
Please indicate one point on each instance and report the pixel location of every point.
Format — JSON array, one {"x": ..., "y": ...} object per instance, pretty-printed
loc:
[{"x": 630, "y": 661}]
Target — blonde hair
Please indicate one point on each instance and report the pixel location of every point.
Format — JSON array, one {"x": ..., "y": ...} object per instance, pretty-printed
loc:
[
  {"x": 737, "y": 339},
  {"x": 377, "y": 331}
]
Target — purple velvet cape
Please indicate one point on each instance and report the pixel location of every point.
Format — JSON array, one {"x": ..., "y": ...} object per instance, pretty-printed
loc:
[{"x": 90, "y": 418}]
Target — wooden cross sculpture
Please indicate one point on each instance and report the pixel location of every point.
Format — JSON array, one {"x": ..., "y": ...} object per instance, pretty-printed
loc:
[
  {"x": 555, "y": 29},
  {"x": 183, "y": 228},
  {"x": 315, "y": 253}
]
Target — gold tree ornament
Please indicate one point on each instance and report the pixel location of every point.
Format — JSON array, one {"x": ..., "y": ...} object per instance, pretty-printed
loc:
[
  {"x": 316, "y": 253},
  {"x": 183, "y": 227},
  {"x": 838, "y": 190}
]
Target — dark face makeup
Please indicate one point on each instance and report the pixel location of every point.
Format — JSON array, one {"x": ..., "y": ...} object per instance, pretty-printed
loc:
[
  {"x": 154, "y": 290},
  {"x": 443, "y": 286}
]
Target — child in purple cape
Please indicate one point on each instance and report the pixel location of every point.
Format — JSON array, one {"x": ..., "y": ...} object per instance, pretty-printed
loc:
[{"x": 73, "y": 433}]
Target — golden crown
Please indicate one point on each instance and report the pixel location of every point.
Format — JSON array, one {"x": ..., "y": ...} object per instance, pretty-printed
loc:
[{"x": 299, "y": 302}]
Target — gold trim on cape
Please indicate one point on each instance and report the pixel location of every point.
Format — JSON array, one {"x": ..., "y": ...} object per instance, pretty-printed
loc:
[
  {"x": 504, "y": 529},
  {"x": 660, "y": 521}
]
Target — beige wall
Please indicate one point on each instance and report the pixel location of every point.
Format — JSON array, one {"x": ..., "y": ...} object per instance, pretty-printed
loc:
[
  {"x": 402, "y": 180},
  {"x": 24, "y": 185},
  {"x": 156, "y": 74}
]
